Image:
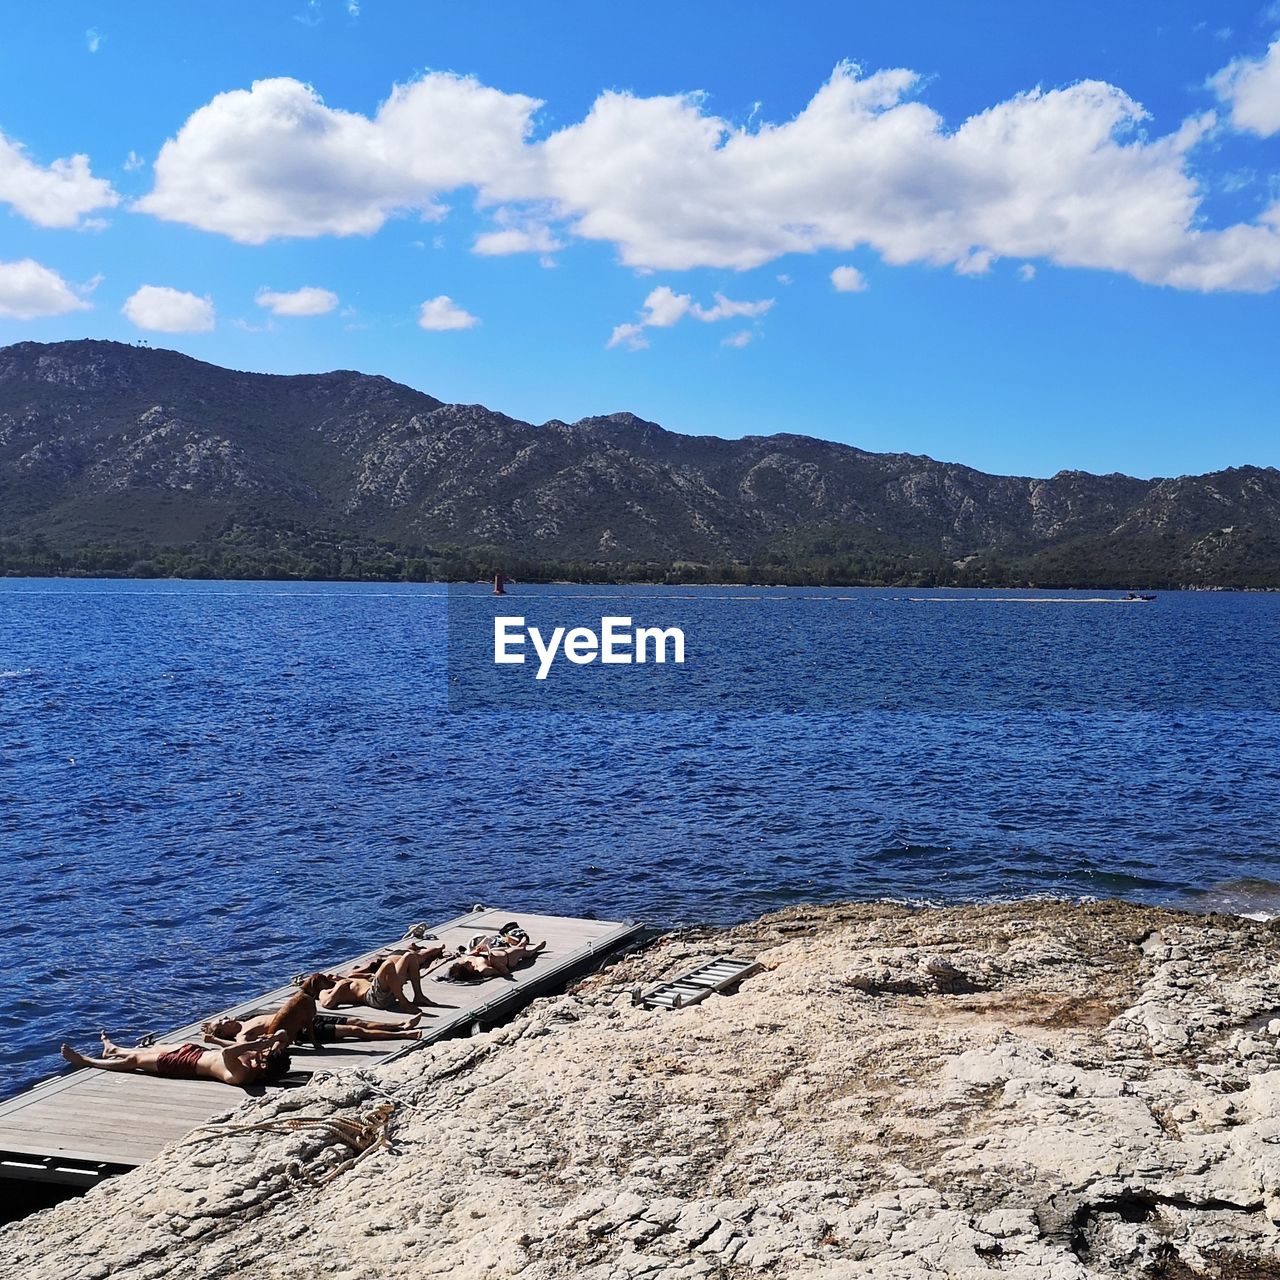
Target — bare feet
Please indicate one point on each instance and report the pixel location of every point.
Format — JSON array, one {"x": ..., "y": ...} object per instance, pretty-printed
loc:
[
  {"x": 109, "y": 1048},
  {"x": 76, "y": 1059}
]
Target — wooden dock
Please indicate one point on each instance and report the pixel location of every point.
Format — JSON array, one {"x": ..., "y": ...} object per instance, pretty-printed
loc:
[{"x": 82, "y": 1126}]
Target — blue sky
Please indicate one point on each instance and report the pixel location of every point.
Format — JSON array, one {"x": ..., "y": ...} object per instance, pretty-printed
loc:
[{"x": 1023, "y": 237}]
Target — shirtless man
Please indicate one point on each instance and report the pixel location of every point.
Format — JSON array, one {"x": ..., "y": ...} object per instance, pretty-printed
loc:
[
  {"x": 326, "y": 1028},
  {"x": 487, "y": 961},
  {"x": 367, "y": 968},
  {"x": 250, "y": 1062},
  {"x": 396, "y": 979}
]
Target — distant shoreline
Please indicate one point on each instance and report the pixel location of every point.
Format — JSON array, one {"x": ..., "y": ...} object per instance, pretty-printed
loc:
[{"x": 761, "y": 585}]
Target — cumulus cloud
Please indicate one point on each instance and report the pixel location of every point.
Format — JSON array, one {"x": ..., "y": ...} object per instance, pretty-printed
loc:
[
  {"x": 307, "y": 301},
  {"x": 848, "y": 280},
  {"x": 1076, "y": 176},
  {"x": 514, "y": 236},
  {"x": 630, "y": 336},
  {"x": 165, "y": 310},
  {"x": 274, "y": 160},
  {"x": 1026, "y": 272},
  {"x": 1063, "y": 175},
  {"x": 664, "y": 308},
  {"x": 57, "y": 195},
  {"x": 726, "y": 309},
  {"x": 739, "y": 339},
  {"x": 1251, "y": 88},
  {"x": 29, "y": 290},
  {"x": 442, "y": 313}
]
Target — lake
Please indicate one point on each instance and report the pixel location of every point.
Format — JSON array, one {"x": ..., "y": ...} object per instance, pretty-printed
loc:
[{"x": 207, "y": 787}]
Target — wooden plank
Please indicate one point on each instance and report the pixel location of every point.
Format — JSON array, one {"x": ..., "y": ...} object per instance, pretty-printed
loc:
[{"x": 90, "y": 1117}]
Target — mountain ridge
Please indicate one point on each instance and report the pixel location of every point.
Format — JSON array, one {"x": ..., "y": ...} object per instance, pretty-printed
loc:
[{"x": 109, "y": 445}]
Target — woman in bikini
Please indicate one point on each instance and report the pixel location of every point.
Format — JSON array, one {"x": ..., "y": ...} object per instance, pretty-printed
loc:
[
  {"x": 251, "y": 1062},
  {"x": 395, "y": 980},
  {"x": 485, "y": 960}
]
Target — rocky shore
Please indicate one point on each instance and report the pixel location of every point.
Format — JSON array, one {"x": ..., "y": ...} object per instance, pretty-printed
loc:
[{"x": 1037, "y": 1091}]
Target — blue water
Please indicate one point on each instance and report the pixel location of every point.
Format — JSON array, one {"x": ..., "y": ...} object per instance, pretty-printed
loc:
[{"x": 206, "y": 787}]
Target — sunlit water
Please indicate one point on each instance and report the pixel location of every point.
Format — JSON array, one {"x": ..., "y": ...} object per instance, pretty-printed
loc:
[{"x": 207, "y": 787}]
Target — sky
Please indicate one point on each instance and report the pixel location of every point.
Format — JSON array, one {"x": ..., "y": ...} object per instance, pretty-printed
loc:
[{"x": 1023, "y": 237}]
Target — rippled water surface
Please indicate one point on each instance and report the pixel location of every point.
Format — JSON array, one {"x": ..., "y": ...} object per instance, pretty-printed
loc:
[{"x": 206, "y": 787}]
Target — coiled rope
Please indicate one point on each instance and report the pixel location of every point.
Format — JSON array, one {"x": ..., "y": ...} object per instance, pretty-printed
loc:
[{"x": 361, "y": 1136}]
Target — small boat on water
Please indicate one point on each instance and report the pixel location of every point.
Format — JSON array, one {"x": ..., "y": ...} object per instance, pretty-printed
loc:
[{"x": 1136, "y": 597}]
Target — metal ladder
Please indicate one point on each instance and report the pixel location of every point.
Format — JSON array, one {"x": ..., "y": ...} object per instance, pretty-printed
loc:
[{"x": 719, "y": 974}]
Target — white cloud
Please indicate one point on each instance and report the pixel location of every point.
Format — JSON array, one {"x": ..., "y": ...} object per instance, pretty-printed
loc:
[
  {"x": 29, "y": 290},
  {"x": 630, "y": 336},
  {"x": 92, "y": 40},
  {"x": 739, "y": 339},
  {"x": 514, "y": 236},
  {"x": 166, "y": 310},
  {"x": 976, "y": 263},
  {"x": 1067, "y": 175},
  {"x": 133, "y": 161},
  {"x": 664, "y": 308},
  {"x": 726, "y": 309},
  {"x": 307, "y": 301},
  {"x": 1251, "y": 88},
  {"x": 1026, "y": 273},
  {"x": 442, "y": 313},
  {"x": 273, "y": 160},
  {"x": 848, "y": 280},
  {"x": 58, "y": 195},
  {"x": 1077, "y": 176}
]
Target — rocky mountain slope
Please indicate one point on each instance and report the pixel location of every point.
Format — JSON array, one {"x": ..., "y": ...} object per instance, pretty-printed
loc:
[
  {"x": 106, "y": 442},
  {"x": 1034, "y": 1090}
]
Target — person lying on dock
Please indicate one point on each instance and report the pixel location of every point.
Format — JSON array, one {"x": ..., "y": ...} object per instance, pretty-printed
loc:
[
  {"x": 294, "y": 1019},
  {"x": 393, "y": 983},
  {"x": 510, "y": 935},
  {"x": 252, "y": 1062},
  {"x": 425, "y": 955},
  {"x": 325, "y": 1028},
  {"x": 485, "y": 961}
]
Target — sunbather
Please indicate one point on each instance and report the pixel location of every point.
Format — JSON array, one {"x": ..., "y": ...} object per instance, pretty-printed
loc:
[
  {"x": 325, "y": 1029},
  {"x": 396, "y": 984},
  {"x": 487, "y": 961},
  {"x": 250, "y": 1062},
  {"x": 367, "y": 968}
]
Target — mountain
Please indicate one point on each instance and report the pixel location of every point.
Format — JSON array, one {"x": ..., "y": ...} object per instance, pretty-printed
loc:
[{"x": 127, "y": 458}]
